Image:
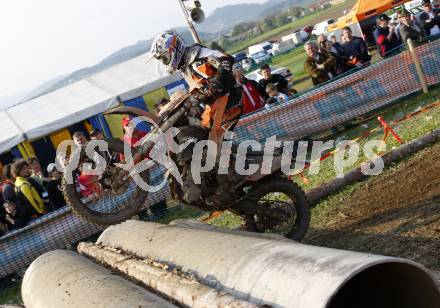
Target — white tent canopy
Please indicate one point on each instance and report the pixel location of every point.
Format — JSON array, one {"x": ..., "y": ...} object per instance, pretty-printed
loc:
[
  {"x": 81, "y": 100},
  {"x": 10, "y": 135}
]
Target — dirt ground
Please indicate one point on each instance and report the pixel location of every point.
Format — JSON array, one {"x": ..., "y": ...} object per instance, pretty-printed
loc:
[{"x": 395, "y": 214}]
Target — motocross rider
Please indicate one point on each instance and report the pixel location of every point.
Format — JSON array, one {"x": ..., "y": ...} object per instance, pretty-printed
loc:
[{"x": 209, "y": 76}]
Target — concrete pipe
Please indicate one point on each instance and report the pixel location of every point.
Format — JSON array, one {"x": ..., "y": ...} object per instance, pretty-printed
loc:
[
  {"x": 278, "y": 273},
  {"x": 65, "y": 279},
  {"x": 196, "y": 224},
  {"x": 184, "y": 290}
]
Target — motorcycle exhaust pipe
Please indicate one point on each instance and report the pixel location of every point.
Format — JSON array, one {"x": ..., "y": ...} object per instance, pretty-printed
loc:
[{"x": 280, "y": 273}]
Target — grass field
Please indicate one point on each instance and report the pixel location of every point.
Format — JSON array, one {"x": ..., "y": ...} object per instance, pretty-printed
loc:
[
  {"x": 312, "y": 19},
  {"x": 407, "y": 130}
]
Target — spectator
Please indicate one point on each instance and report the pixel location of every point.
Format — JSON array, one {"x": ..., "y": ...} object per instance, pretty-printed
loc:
[
  {"x": 385, "y": 36},
  {"x": 2, "y": 182},
  {"x": 342, "y": 38},
  {"x": 333, "y": 39},
  {"x": 322, "y": 40},
  {"x": 275, "y": 95},
  {"x": 96, "y": 135},
  {"x": 319, "y": 66},
  {"x": 63, "y": 161},
  {"x": 8, "y": 189},
  {"x": 108, "y": 156},
  {"x": 430, "y": 19},
  {"x": 36, "y": 172},
  {"x": 276, "y": 79},
  {"x": 38, "y": 180},
  {"x": 396, "y": 23},
  {"x": 341, "y": 65},
  {"x": 271, "y": 103},
  {"x": 26, "y": 194},
  {"x": 3, "y": 227},
  {"x": 253, "y": 95},
  {"x": 336, "y": 46},
  {"x": 88, "y": 183},
  {"x": 160, "y": 104},
  {"x": 410, "y": 28},
  {"x": 355, "y": 48},
  {"x": 3, "y": 221},
  {"x": 79, "y": 139},
  {"x": 54, "y": 187},
  {"x": 17, "y": 216},
  {"x": 131, "y": 134}
]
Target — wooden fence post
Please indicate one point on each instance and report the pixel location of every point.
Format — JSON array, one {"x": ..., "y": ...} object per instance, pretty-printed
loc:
[{"x": 419, "y": 68}]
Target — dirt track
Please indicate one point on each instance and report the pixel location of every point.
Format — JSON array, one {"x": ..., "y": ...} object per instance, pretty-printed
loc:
[{"x": 396, "y": 213}]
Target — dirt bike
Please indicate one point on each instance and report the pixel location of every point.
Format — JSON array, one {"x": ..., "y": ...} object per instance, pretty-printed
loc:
[{"x": 266, "y": 202}]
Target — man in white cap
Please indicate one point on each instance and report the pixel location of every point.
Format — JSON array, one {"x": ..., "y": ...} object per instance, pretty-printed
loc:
[
  {"x": 54, "y": 187},
  {"x": 410, "y": 28}
]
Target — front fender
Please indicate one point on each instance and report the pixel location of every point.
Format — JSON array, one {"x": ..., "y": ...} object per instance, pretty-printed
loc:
[{"x": 133, "y": 111}]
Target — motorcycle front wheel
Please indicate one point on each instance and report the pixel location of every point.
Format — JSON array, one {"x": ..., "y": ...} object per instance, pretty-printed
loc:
[{"x": 117, "y": 197}]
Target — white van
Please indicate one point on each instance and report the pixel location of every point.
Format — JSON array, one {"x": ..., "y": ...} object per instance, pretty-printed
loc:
[
  {"x": 283, "y": 46},
  {"x": 296, "y": 37},
  {"x": 266, "y": 46},
  {"x": 412, "y": 4},
  {"x": 321, "y": 28}
]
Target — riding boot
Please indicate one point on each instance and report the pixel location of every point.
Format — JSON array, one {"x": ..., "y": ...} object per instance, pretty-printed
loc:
[
  {"x": 192, "y": 191},
  {"x": 225, "y": 192}
]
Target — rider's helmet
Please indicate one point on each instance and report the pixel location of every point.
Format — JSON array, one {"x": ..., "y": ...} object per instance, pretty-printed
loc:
[{"x": 169, "y": 48}]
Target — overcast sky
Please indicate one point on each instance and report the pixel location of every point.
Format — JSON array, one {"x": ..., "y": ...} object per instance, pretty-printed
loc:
[{"x": 43, "y": 39}]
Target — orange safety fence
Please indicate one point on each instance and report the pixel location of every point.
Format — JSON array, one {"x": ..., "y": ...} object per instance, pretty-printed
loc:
[{"x": 387, "y": 127}]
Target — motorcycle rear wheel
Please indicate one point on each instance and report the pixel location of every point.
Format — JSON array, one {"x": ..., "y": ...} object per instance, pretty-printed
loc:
[
  {"x": 115, "y": 207},
  {"x": 275, "y": 194}
]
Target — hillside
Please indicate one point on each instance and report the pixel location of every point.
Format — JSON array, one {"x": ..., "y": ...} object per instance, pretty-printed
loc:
[
  {"x": 220, "y": 21},
  {"x": 223, "y": 19},
  {"x": 117, "y": 57}
]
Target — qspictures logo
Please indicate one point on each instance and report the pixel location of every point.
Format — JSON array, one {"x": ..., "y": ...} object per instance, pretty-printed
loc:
[{"x": 156, "y": 147}]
